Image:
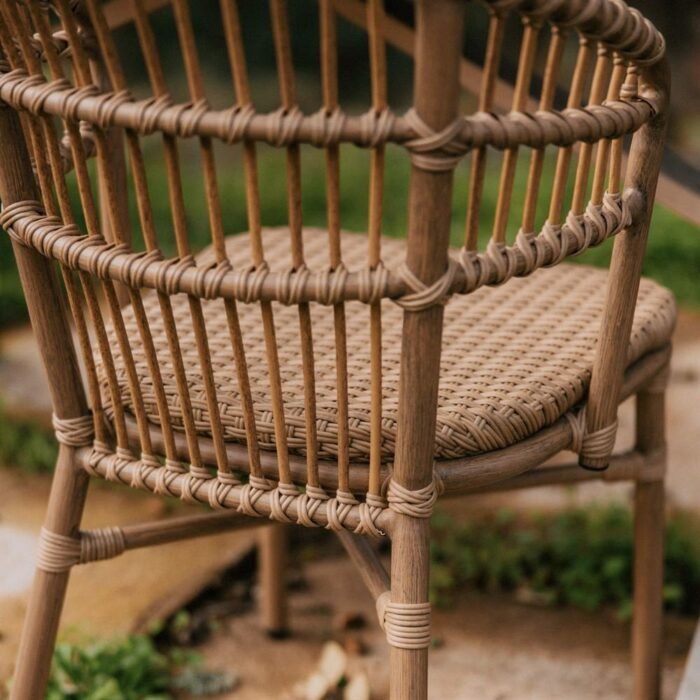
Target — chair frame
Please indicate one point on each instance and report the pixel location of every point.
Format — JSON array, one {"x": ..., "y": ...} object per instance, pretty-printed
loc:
[{"x": 402, "y": 593}]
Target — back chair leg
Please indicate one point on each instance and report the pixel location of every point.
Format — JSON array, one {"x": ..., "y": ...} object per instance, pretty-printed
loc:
[
  {"x": 272, "y": 557},
  {"x": 410, "y": 570},
  {"x": 649, "y": 555},
  {"x": 63, "y": 516}
]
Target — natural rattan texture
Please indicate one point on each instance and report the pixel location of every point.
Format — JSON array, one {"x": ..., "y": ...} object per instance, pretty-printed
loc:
[
  {"x": 515, "y": 357},
  {"x": 333, "y": 368}
]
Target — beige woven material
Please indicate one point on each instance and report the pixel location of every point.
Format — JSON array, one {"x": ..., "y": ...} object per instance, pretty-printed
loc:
[{"x": 515, "y": 357}]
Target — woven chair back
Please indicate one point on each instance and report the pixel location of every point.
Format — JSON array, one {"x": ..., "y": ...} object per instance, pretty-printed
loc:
[{"x": 133, "y": 137}]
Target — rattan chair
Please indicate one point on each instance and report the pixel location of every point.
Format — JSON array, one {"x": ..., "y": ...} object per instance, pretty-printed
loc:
[{"x": 319, "y": 377}]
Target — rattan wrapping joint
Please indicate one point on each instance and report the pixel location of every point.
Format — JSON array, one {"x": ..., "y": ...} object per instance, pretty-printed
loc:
[
  {"x": 59, "y": 553},
  {"x": 285, "y": 502},
  {"x": 424, "y": 296},
  {"x": 435, "y": 151},
  {"x": 597, "y": 445},
  {"x": 74, "y": 432},
  {"x": 28, "y": 225},
  {"x": 416, "y": 504},
  {"x": 407, "y": 625}
]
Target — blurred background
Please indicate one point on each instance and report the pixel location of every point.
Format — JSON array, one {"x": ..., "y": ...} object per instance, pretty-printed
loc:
[{"x": 532, "y": 589}]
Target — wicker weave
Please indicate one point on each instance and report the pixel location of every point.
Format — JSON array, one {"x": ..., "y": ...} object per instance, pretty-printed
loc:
[
  {"x": 333, "y": 369},
  {"x": 515, "y": 357}
]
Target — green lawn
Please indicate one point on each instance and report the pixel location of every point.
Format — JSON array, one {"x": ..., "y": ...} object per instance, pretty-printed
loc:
[{"x": 674, "y": 248}]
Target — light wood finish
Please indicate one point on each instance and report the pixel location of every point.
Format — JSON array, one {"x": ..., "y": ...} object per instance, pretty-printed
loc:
[
  {"x": 436, "y": 95},
  {"x": 152, "y": 534},
  {"x": 300, "y": 439},
  {"x": 626, "y": 264},
  {"x": 70, "y": 483},
  {"x": 367, "y": 562},
  {"x": 649, "y": 552},
  {"x": 63, "y": 514}
]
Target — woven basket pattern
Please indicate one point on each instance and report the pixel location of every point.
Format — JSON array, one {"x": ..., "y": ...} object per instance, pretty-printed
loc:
[{"x": 515, "y": 357}]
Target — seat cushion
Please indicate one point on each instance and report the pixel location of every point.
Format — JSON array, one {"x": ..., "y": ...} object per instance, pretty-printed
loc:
[{"x": 515, "y": 357}]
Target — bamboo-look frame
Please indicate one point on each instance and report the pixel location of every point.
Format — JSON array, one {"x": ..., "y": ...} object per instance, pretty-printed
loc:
[{"x": 625, "y": 46}]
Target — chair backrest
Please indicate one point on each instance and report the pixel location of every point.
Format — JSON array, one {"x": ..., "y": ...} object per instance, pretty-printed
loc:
[{"x": 92, "y": 80}]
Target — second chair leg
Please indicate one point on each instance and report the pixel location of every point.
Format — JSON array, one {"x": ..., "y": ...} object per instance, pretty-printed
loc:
[
  {"x": 48, "y": 590},
  {"x": 649, "y": 554},
  {"x": 648, "y": 590},
  {"x": 272, "y": 567}
]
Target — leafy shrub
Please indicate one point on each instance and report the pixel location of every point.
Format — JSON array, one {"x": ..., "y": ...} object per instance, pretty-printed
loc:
[
  {"x": 129, "y": 669},
  {"x": 26, "y": 445},
  {"x": 581, "y": 557}
]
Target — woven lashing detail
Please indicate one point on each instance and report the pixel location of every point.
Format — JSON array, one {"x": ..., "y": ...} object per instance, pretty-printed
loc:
[
  {"x": 59, "y": 553},
  {"x": 311, "y": 506},
  {"x": 430, "y": 150},
  {"x": 418, "y": 503},
  {"x": 74, "y": 432},
  {"x": 596, "y": 445},
  {"x": 515, "y": 358},
  {"x": 407, "y": 625},
  {"x": 424, "y": 296},
  {"x": 260, "y": 497},
  {"x": 203, "y": 277}
]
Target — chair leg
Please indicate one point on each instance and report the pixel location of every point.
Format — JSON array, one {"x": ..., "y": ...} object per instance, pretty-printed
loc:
[
  {"x": 63, "y": 516},
  {"x": 649, "y": 556},
  {"x": 410, "y": 569},
  {"x": 648, "y": 589},
  {"x": 272, "y": 557}
]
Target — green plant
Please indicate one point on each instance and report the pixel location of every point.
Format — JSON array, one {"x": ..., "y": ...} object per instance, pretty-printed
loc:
[
  {"x": 25, "y": 444},
  {"x": 580, "y": 557},
  {"x": 673, "y": 255},
  {"x": 129, "y": 669}
]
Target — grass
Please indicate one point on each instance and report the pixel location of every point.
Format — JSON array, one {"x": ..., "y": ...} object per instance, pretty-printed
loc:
[
  {"x": 26, "y": 445},
  {"x": 673, "y": 256},
  {"x": 580, "y": 557}
]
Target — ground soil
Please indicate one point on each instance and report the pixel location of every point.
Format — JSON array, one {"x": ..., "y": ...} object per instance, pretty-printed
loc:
[
  {"x": 494, "y": 648},
  {"x": 105, "y": 598},
  {"x": 490, "y": 647}
]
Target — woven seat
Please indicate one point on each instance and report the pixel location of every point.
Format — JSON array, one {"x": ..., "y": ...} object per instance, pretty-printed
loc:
[{"x": 515, "y": 357}]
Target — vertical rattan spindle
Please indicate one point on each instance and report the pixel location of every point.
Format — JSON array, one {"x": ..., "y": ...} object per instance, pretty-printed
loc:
[
  {"x": 487, "y": 90},
  {"x": 329, "y": 80},
  {"x": 377, "y": 55},
  {"x": 526, "y": 63}
]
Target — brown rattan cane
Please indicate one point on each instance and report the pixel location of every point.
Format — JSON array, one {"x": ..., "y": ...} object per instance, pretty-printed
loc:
[{"x": 312, "y": 376}]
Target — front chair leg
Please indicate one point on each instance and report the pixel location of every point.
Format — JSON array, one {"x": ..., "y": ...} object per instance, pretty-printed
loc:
[
  {"x": 272, "y": 567},
  {"x": 63, "y": 516},
  {"x": 410, "y": 570},
  {"x": 649, "y": 554}
]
